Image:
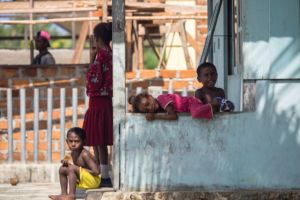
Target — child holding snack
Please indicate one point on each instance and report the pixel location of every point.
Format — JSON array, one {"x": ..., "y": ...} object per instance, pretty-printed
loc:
[{"x": 78, "y": 170}]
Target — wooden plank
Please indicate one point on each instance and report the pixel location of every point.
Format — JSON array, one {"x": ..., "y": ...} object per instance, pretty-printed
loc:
[
  {"x": 141, "y": 34},
  {"x": 129, "y": 44},
  {"x": 80, "y": 43},
  {"x": 104, "y": 10},
  {"x": 164, "y": 47},
  {"x": 138, "y": 18},
  {"x": 182, "y": 36},
  {"x": 193, "y": 42},
  {"x": 46, "y": 7}
]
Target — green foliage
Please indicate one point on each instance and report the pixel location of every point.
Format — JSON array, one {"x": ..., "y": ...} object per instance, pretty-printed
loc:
[{"x": 150, "y": 59}]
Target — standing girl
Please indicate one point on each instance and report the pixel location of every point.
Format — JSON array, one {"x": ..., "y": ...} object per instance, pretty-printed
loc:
[{"x": 98, "y": 123}]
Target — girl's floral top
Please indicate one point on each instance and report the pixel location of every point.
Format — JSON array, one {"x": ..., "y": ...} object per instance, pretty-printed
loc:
[{"x": 99, "y": 75}]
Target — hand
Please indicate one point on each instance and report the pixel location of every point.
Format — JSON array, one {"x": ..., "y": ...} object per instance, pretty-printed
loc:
[
  {"x": 65, "y": 163},
  {"x": 215, "y": 105},
  {"x": 150, "y": 116}
]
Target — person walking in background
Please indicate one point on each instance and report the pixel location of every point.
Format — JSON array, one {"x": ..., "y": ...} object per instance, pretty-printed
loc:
[
  {"x": 98, "y": 123},
  {"x": 42, "y": 42}
]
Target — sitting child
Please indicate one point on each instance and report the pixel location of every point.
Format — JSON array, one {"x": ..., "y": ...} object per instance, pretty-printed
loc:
[
  {"x": 207, "y": 75},
  {"x": 171, "y": 104},
  {"x": 83, "y": 173}
]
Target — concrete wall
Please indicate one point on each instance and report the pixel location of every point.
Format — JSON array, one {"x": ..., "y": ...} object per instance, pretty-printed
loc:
[
  {"x": 258, "y": 149},
  {"x": 271, "y": 47}
]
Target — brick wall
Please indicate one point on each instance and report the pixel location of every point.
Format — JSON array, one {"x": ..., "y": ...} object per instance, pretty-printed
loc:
[
  {"x": 29, "y": 77},
  {"x": 177, "y": 80}
]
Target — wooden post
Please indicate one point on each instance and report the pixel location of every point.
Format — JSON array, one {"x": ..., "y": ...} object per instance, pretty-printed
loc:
[
  {"x": 129, "y": 44},
  {"x": 80, "y": 43},
  {"x": 73, "y": 25},
  {"x": 119, "y": 99},
  {"x": 31, "y": 34},
  {"x": 31, "y": 51},
  {"x": 104, "y": 10},
  {"x": 141, "y": 35},
  {"x": 182, "y": 35},
  {"x": 135, "y": 55},
  {"x": 31, "y": 2}
]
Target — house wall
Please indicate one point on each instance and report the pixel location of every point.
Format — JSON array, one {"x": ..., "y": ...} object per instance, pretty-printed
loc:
[{"x": 257, "y": 149}]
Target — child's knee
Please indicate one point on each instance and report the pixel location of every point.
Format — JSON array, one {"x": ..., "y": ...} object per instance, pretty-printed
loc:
[{"x": 63, "y": 170}]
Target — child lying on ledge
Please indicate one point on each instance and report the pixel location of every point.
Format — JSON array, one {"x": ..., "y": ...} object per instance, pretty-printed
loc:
[{"x": 171, "y": 104}]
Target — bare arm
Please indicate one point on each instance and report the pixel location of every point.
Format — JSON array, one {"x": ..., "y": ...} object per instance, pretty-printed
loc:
[
  {"x": 170, "y": 114},
  {"x": 221, "y": 93},
  {"x": 200, "y": 95},
  {"x": 93, "y": 168}
]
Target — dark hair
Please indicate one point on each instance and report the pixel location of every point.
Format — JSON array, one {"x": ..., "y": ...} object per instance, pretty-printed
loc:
[
  {"x": 78, "y": 131},
  {"x": 103, "y": 31},
  {"x": 136, "y": 100},
  {"x": 204, "y": 65}
]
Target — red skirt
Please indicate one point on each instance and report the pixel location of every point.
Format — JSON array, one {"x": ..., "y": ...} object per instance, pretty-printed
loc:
[{"x": 98, "y": 122}]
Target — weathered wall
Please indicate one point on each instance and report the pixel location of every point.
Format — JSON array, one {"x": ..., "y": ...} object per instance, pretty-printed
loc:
[
  {"x": 257, "y": 149},
  {"x": 246, "y": 150}
]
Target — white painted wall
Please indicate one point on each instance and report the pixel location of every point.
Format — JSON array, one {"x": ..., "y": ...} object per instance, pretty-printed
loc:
[{"x": 239, "y": 150}]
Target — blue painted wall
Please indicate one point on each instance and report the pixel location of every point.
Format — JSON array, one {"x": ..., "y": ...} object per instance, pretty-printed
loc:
[{"x": 271, "y": 47}]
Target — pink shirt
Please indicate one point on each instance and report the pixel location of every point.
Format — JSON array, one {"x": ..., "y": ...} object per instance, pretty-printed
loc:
[{"x": 180, "y": 104}]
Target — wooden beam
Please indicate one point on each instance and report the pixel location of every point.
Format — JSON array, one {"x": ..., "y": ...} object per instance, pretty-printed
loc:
[
  {"x": 193, "y": 42},
  {"x": 129, "y": 44},
  {"x": 47, "y": 10},
  {"x": 182, "y": 36},
  {"x": 164, "y": 47},
  {"x": 138, "y": 18},
  {"x": 141, "y": 34},
  {"x": 104, "y": 11},
  {"x": 80, "y": 43}
]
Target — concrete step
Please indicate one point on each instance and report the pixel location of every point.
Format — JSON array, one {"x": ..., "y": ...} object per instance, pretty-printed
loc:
[
  {"x": 205, "y": 195},
  {"x": 96, "y": 194}
]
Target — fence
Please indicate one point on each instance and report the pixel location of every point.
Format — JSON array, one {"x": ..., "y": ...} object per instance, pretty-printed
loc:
[{"x": 36, "y": 120}]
